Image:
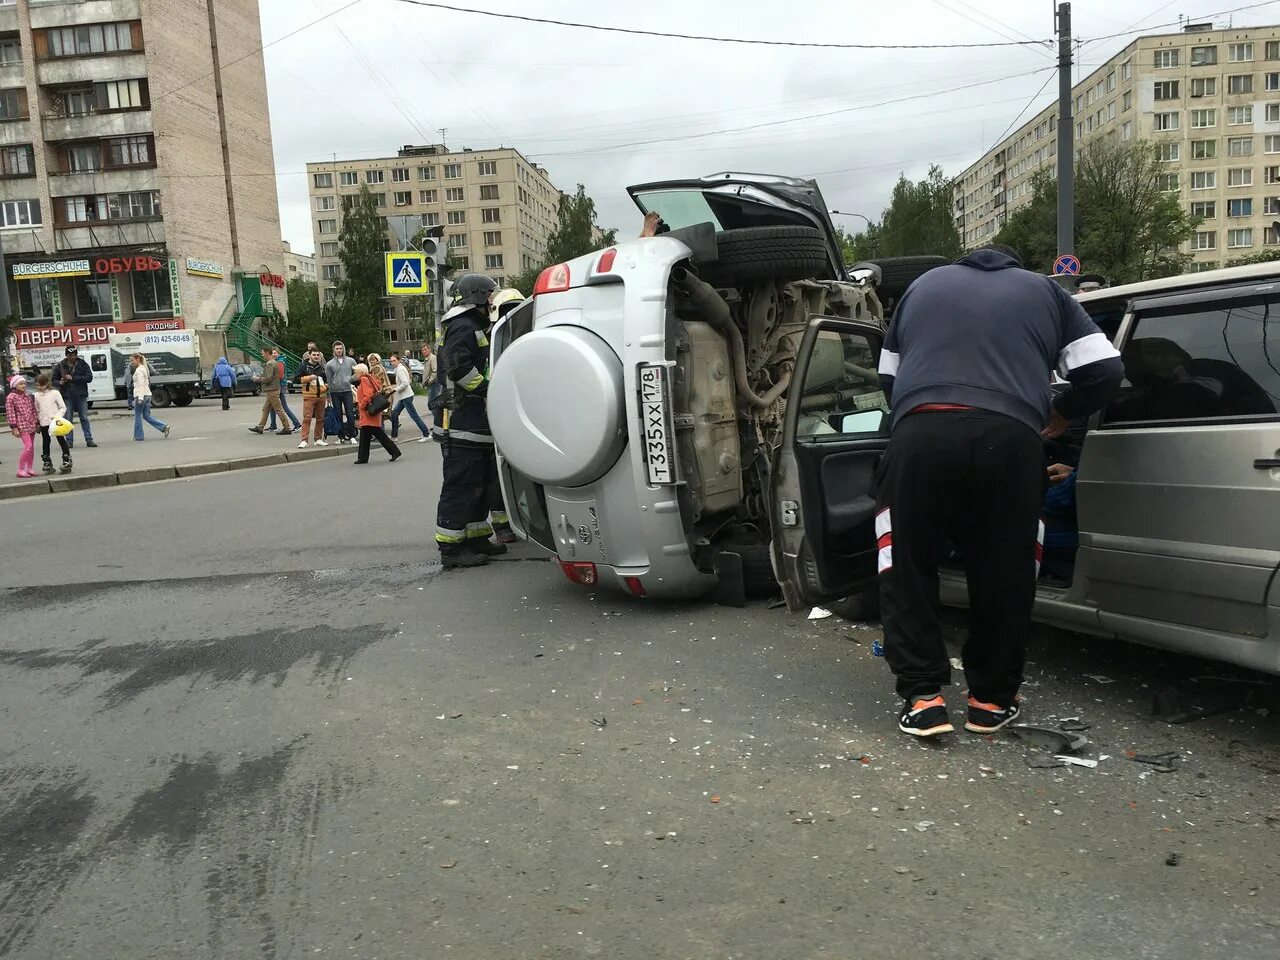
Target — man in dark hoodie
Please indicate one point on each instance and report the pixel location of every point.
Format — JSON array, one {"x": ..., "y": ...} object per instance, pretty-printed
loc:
[
  {"x": 72, "y": 377},
  {"x": 967, "y": 365}
]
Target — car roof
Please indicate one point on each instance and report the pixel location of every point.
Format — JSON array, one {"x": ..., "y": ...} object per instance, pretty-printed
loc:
[{"x": 1207, "y": 278}]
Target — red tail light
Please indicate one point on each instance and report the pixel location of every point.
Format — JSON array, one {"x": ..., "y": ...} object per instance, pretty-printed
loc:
[
  {"x": 552, "y": 280},
  {"x": 635, "y": 586},
  {"x": 583, "y": 573},
  {"x": 605, "y": 263}
]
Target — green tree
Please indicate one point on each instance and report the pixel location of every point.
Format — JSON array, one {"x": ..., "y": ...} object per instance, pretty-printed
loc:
[
  {"x": 576, "y": 233},
  {"x": 919, "y": 220},
  {"x": 362, "y": 247},
  {"x": 1128, "y": 227},
  {"x": 303, "y": 322},
  {"x": 1262, "y": 256}
]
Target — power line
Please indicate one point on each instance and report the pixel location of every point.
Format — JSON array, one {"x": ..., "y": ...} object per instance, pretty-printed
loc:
[
  {"x": 988, "y": 26},
  {"x": 1034, "y": 96},
  {"x": 742, "y": 40},
  {"x": 1179, "y": 23}
]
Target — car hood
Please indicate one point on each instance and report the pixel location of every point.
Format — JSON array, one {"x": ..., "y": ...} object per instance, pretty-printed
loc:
[{"x": 771, "y": 199}]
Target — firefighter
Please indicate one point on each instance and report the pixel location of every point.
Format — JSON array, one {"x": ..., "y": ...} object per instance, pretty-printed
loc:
[
  {"x": 504, "y": 301},
  {"x": 462, "y": 428}
]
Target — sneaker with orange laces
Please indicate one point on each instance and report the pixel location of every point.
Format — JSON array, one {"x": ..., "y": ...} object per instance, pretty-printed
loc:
[
  {"x": 925, "y": 717},
  {"x": 989, "y": 717}
]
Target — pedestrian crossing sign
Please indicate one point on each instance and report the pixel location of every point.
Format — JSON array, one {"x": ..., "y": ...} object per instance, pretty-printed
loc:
[{"x": 406, "y": 274}]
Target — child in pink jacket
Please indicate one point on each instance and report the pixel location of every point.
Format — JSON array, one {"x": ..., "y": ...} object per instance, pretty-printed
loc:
[{"x": 20, "y": 408}]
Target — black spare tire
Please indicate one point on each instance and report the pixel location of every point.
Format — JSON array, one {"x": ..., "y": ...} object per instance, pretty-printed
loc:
[
  {"x": 781, "y": 254},
  {"x": 898, "y": 273}
]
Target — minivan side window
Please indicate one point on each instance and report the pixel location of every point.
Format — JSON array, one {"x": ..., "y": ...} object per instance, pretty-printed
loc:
[
  {"x": 1209, "y": 360},
  {"x": 841, "y": 395}
]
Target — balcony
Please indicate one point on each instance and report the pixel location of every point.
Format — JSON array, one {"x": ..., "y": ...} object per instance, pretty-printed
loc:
[
  {"x": 9, "y": 19},
  {"x": 68, "y": 13},
  {"x": 120, "y": 180},
  {"x": 12, "y": 74},
  {"x": 24, "y": 240},
  {"x": 95, "y": 126},
  {"x": 13, "y": 132},
  {"x": 90, "y": 68},
  {"x": 108, "y": 233}
]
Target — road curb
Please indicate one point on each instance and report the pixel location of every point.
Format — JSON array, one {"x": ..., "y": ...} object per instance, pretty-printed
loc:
[{"x": 95, "y": 481}]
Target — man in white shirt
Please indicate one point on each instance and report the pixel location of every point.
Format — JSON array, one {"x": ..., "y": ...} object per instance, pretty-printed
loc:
[{"x": 403, "y": 399}]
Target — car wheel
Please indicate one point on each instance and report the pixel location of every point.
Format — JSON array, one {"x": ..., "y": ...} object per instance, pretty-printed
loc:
[
  {"x": 861, "y": 607},
  {"x": 898, "y": 273},
  {"x": 780, "y": 254}
]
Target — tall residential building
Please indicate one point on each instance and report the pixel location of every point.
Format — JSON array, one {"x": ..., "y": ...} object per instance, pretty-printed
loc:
[
  {"x": 496, "y": 208},
  {"x": 298, "y": 266},
  {"x": 136, "y": 171},
  {"x": 1209, "y": 99}
]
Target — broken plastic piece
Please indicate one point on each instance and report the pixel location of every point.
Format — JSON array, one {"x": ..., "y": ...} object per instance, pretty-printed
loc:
[
  {"x": 1043, "y": 761},
  {"x": 819, "y": 613},
  {"x": 1073, "y": 725},
  {"x": 1077, "y": 761},
  {"x": 1049, "y": 740},
  {"x": 1159, "y": 762}
]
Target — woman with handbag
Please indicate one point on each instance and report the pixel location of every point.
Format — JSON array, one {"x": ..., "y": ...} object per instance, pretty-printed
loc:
[
  {"x": 315, "y": 396},
  {"x": 371, "y": 404}
]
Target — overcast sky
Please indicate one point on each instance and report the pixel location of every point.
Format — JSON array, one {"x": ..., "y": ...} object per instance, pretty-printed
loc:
[{"x": 608, "y": 110}]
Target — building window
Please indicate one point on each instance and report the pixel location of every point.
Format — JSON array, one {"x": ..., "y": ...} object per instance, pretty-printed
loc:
[
  {"x": 1240, "y": 177},
  {"x": 13, "y": 104},
  {"x": 1205, "y": 209},
  {"x": 330, "y": 294},
  {"x": 454, "y": 194},
  {"x": 1239, "y": 146},
  {"x": 489, "y": 191},
  {"x": 332, "y": 271},
  {"x": 1240, "y": 52},
  {"x": 493, "y": 238},
  {"x": 1205, "y": 240},
  {"x": 1203, "y": 118},
  {"x": 379, "y": 199},
  {"x": 457, "y": 241},
  {"x": 403, "y": 198},
  {"x": 1271, "y": 174},
  {"x": 1111, "y": 82},
  {"x": 1204, "y": 87},
  {"x": 1240, "y": 238},
  {"x": 322, "y": 181},
  {"x": 1271, "y": 143},
  {"x": 1204, "y": 149},
  {"x": 373, "y": 176},
  {"x": 1126, "y": 130},
  {"x": 491, "y": 215},
  {"x": 1166, "y": 59},
  {"x": 428, "y": 196},
  {"x": 35, "y": 299},
  {"x": 453, "y": 171},
  {"x": 1111, "y": 110},
  {"x": 1167, "y": 182},
  {"x": 1271, "y": 205},
  {"x": 348, "y": 178},
  {"x": 328, "y": 226},
  {"x": 151, "y": 291},
  {"x": 488, "y": 168},
  {"x": 426, "y": 173},
  {"x": 457, "y": 216},
  {"x": 10, "y": 52},
  {"x": 400, "y": 175},
  {"x": 1166, "y": 89},
  {"x": 94, "y": 38},
  {"x": 17, "y": 161},
  {"x": 1239, "y": 116},
  {"x": 326, "y": 203},
  {"x": 431, "y": 219},
  {"x": 1204, "y": 179},
  {"x": 1203, "y": 56},
  {"x": 93, "y": 297},
  {"x": 1169, "y": 152},
  {"x": 329, "y": 249},
  {"x": 129, "y": 152},
  {"x": 1165, "y": 121},
  {"x": 1242, "y": 207},
  {"x": 1240, "y": 83},
  {"x": 1270, "y": 236},
  {"x": 462, "y": 263},
  {"x": 493, "y": 261},
  {"x": 1273, "y": 113},
  {"x": 1126, "y": 70}
]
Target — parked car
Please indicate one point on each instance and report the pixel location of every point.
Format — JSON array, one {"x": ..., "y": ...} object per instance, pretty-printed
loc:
[{"x": 245, "y": 372}]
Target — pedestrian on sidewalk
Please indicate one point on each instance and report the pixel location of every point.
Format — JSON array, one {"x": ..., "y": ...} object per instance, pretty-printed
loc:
[
  {"x": 224, "y": 381},
  {"x": 370, "y": 420},
  {"x": 966, "y": 366},
  {"x": 339, "y": 370},
  {"x": 50, "y": 407},
  {"x": 315, "y": 389},
  {"x": 284, "y": 394},
  {"x": 403, "y": 399},
  {"x": 430, "y": 379},
  {"x": 24, "y": 423},
  {"x": 142, "y": 399},
  {"x": 270, "y": 380},
  {"x": 72, "y": 377}
]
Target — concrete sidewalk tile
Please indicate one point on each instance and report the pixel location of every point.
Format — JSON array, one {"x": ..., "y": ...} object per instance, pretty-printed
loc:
[
  {"x": 12, "y": 491},
  {"x": 87, "y": 481},
  {"x": 314, "y": 453},
  {"x": 146, "y": 475},
  {"x": 265, "y": 460},
  {"x": 200, "y": 469}
]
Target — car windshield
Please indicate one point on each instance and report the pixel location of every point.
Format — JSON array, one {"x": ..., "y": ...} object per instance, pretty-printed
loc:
[
  {"x": 724, "y": 211},
  {"x": 679, "y": 208}
]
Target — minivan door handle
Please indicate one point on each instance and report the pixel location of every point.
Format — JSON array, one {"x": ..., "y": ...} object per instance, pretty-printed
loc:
[{"x": 1272, "y": 463}]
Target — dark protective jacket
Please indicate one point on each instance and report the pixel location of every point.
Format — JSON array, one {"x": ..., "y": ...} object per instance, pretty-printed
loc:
[
  {"x": 984, "y": 333},
  {"x": 464, "y": 368},
  {"x": 73, "y": 379}
]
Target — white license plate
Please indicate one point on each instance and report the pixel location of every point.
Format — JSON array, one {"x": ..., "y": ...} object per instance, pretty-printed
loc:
[{"x": 657, "y": 438}]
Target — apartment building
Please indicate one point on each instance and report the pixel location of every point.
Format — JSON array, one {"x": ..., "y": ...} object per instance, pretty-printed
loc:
[
  {"x": 136, "y": 169},
  {"x": 298, "y": 266},
  {"x": 496, "y": 208},
  {"x": 1209, "y": 99}
]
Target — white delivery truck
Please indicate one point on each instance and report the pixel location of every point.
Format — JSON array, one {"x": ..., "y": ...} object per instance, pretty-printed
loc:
[{"x": 181, "y": 362}]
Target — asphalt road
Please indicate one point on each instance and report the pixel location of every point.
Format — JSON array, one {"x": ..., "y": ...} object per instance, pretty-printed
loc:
[{"x": 246, "y": 716}]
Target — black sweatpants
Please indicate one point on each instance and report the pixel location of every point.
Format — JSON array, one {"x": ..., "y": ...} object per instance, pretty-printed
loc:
[
  {"x": 45, "y": 433},
  {"x": 469, "y": 474},
  {"x": 226, "y": 397},
  {"x": 976, "y": 479},
  {"x": 367, "y": 436}
]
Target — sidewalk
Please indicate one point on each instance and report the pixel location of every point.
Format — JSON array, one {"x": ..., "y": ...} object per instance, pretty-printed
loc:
[{"x": 204, "y": 439}]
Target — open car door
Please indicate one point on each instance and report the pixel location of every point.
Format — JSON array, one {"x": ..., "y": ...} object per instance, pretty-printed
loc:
[{"x": 822, "y": 499}]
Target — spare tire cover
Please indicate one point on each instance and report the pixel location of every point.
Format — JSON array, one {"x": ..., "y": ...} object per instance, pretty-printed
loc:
[{"x": 556, "y": 406}]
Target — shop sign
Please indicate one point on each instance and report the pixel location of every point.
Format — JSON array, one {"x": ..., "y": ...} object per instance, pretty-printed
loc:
[
  {"x": 88, "y": 334},
  {"x": 271, "y": 280},
  {"x": 204, "y": 268},
  {"x": 176, "y": 300},
  {"x": 51, "y": 268},
  {"x": 110, "y": 265}
]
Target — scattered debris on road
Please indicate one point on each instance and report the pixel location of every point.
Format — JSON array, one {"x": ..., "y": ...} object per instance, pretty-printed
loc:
[
  {"x": 819, "y": 613},
  {"x": 1159, "y": 762},
  {"x": 1050, "y": 740}
]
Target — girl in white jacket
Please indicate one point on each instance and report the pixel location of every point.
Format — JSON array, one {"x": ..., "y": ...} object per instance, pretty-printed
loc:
[{"x": 50, "y": 407}]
